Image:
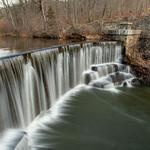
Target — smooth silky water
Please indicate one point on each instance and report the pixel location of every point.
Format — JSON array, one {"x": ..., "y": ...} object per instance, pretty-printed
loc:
[
  {"x": 31, "y": 85},
  {"x": 88, "y": 118},
  {"x": 100, "y": 115}
]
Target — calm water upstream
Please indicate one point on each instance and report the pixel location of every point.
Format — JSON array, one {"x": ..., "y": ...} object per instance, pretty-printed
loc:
[{"x": 10, "y": 45}]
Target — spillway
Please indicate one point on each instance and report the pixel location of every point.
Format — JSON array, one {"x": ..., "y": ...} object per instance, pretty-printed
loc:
[
  {"x": 30, "y": 84},
  {"x": 72, "y": 97}
]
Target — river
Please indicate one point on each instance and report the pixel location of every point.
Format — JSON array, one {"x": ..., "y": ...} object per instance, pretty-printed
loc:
[
  {"x": 12, "y": 45},
  {"x": 82, "y": 95}
]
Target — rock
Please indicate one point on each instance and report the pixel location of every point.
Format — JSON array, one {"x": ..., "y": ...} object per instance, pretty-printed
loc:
[
  {"x": 146, "y": 55},
  {"x": 143, "y": 75},
  {"x": 136, "y": 82}
]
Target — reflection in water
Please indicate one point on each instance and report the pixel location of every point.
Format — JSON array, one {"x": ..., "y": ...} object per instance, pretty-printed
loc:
[
  {"x": 22, "y": 44},
  {"x": 6, "y": 52},
  {"x": 11, "y": 45}
]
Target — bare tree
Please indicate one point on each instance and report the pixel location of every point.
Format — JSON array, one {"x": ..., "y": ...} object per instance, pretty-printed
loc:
[
  {"x": 9, "y": 12},
  {"x": 31, "y": 15}
]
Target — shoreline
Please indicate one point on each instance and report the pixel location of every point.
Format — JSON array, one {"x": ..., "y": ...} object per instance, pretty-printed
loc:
[{"x": 139, "y": 65}]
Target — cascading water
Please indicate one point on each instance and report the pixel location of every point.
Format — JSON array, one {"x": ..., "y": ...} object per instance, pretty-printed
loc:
[
  {"x": 85, "y": 117},
  {"x": 31, "y": 85}
]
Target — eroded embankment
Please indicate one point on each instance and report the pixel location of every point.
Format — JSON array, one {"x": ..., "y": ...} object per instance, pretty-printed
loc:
[{"x": 138, "y": 57}]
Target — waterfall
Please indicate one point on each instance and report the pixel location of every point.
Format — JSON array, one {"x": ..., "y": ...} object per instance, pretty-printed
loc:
[
  {"x": 113, "y": 72},
  {"x": 30, "y": 86}
]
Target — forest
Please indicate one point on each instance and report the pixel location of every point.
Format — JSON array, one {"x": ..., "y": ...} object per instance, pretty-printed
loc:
[{"x": 55, "y": 17}]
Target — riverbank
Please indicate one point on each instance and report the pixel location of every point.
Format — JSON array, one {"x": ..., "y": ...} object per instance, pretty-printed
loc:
[
  {"x": 140, "y": 61},
  {"x": 139, "y": 58},
  {"x": 93, "y": 30},
  {"x": 80, "y": 32}
]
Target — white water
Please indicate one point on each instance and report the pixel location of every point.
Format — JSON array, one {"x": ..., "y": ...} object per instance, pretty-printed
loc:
[
  {"x": 105, "y": 73},
  {"x": 28, "y": 88}
]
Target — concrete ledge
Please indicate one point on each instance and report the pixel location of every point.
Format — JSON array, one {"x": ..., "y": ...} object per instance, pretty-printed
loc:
[{"x": 123, "y": 32}]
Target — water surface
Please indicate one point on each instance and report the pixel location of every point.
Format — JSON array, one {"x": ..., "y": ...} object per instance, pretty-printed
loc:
[
  {"x": 87, "y": 118},
  {"x": 12, "y": 45}
]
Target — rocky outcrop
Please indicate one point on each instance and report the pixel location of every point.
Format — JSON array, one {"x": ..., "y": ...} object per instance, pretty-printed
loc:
[
  {"x": 143, "y": 74},
  {"x": 138, "y": 58}
]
